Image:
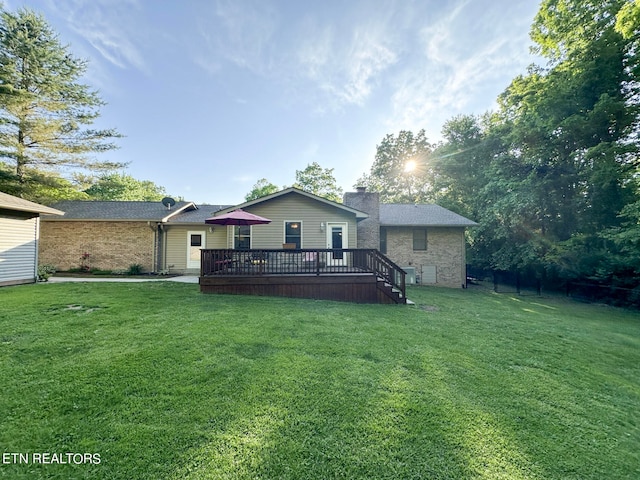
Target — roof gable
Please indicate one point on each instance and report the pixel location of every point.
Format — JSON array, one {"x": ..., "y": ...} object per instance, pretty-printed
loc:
[
  {"x": 128, "y": 211},
  {"x": 429, "y": 215},
  {"x": 296, "y": 191},
  {"x": 198, "y": 215}
]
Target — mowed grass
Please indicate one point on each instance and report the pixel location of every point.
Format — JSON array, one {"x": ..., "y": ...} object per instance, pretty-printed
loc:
[{"x": 163, "y": 382}]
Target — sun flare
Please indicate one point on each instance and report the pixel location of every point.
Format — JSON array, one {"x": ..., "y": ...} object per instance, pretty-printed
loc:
[{"x": 410, "y": 166}]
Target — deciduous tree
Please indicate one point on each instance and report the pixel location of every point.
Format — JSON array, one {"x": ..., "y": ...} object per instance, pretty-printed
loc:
[
  {"x": 319, "y": 181},
  {"x": 402, "y": 171},
  {"x": 120, "y": 186},
  {"x": 261, "y": 188}
]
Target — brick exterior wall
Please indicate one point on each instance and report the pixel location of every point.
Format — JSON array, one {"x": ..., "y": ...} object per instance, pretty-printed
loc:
[
  {"x": 445, "y": 250},
  {"x": 369, "y": 228},
  {"x": 110, "y": 245}
]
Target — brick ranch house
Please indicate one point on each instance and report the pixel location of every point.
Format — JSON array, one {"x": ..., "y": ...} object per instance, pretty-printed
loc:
[{"x": 427, "y": 241}]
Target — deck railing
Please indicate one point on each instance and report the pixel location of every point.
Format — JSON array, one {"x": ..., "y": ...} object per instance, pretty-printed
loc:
[{"x": 302, "y": 262}]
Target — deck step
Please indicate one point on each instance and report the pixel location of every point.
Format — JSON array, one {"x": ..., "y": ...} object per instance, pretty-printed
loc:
[{"x": 390, "y": 291}]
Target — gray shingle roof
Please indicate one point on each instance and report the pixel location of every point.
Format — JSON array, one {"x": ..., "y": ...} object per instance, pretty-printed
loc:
[
  {"x": 188, "y": 213},
  {"x": 117, "y": 211},
  {"x": 10, "y": 202},
  {"x": 113, "y": 211},
  {"x": 430, "y": 215},
  {"x": 197, "y": 216}
]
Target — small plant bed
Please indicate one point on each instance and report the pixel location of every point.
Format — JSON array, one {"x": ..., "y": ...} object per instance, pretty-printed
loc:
[{"x": 111, "y": 274}]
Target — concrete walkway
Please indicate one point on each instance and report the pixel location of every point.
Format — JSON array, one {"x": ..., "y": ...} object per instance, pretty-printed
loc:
[{"x": 180, "y": 279}]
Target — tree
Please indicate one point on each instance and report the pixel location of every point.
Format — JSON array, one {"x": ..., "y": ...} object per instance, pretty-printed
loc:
[
  {"x": 574, "y": 125},
  {"x": 261, "y": 188},
  {"x": 119, "y": 186},
  {"x": 552, "y": 176},
  {"x": 401, "y": 171},
  {"x": 44, "y": 108},
  {"x": 628, "y": 20},
  {"x": 319, "y": 181}
]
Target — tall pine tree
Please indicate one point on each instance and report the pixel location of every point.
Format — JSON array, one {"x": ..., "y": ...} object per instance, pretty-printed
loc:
[{"x": 45, "y": 110}]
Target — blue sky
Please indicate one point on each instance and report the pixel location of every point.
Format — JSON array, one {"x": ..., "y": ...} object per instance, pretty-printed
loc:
[{"x": 214, "y": 95}]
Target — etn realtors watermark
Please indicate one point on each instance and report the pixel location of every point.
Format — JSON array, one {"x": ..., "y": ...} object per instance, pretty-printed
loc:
[{"x": 49, "y": 458}]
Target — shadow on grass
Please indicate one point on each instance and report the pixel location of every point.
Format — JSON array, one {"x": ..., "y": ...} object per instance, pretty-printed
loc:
[{"x": 166, "y": 383}]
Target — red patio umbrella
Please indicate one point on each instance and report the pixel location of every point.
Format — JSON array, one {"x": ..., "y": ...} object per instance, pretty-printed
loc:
[{"x": 237, "y": 217}]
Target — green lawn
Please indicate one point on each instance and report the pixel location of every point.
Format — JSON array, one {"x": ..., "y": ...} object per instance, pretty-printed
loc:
[{"x": 162, "y": 382}]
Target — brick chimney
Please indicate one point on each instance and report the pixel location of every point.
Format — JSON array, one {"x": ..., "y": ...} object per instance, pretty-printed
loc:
[{"x": 369, "y": 228}]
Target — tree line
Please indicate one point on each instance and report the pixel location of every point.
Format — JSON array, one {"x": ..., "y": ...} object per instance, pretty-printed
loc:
[{"x": 552, "y": 177}]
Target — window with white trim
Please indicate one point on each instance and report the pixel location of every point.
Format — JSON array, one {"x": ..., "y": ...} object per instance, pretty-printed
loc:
[{"x": 293, "y": 233}]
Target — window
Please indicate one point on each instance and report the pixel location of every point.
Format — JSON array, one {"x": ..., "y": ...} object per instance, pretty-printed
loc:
[
  {"x": 196, "y": 240},
  {"x": 293, "y": 233},
  {"x": 383, "y": 240},
  {"x": 242, "y": 237},
  {"x": 419, "y": 238}
]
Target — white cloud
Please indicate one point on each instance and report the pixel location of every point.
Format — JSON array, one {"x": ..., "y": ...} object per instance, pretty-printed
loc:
[
  {"x": 241, "y": 32},
  {"x": 316, "y": 60},
  {"x": 466, "y": 52},
  {"x": 345, "y": 63},
  {"x": 419, "y": 56},
  {"x": 109, "y": 27}
]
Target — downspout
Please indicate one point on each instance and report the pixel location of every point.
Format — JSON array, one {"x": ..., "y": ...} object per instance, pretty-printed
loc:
[
  {"x": 161, "y": 248},
  {"x": 37, "y": 247},
  {"x": 463, "y": 255},
  {"x": 154, "y": 261}
]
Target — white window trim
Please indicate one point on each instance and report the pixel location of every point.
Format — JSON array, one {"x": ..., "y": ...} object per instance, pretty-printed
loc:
[{"x": 284, "y": 231}]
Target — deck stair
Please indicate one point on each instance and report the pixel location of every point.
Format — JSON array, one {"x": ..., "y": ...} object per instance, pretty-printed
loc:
[{"x": 389, "y": 290}]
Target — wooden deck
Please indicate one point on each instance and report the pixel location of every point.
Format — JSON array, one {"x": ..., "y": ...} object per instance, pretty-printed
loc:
[{"x": 350, "y": 275}]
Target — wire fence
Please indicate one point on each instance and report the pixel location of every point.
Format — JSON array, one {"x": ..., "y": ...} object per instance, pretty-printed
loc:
[
  {"x": 518, "y": 283},
  {"x": 505, "y": 281},
  {"x": 610, "y": 294}
]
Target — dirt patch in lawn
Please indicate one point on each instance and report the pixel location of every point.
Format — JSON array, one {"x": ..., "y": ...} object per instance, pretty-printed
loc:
[{"x": 428, "y": 308}]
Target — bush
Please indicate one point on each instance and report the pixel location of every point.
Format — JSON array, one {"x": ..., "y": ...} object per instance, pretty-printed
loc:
[
  {"x": 134, "y": 269},
  {"x": 45, "y": 271}
]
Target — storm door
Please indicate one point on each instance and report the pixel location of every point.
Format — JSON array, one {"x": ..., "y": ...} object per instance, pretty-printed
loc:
[{"x": 195, "y": 242}]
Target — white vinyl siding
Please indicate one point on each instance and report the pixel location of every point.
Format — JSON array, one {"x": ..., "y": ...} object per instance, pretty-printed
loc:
[{"x": 18, "y": 248}]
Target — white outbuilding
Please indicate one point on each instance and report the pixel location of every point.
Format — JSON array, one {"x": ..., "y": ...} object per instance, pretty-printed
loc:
[{"x": 19, "y": 235}]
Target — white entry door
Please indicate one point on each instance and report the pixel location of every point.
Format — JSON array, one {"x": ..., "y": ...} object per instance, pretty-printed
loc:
[
  {"x": 195, "y": 242},
  {"x": 337, "y": 238}
]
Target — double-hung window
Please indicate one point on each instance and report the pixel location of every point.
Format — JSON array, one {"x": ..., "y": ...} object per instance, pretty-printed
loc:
[
  {"x": 242, "y": 237},
  {"x": 383, "y": 240},
  {"x": 293, "y": 233},
  {"x": 419, "y": 238}
]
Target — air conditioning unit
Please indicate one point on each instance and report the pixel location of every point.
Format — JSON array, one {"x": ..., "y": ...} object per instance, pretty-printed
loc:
[{"x": 410, "y": 278}]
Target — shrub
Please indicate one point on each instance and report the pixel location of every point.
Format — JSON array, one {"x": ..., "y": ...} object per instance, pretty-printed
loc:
[
  {"x": 134, "y": 269},
  {"x": 45, "y": 271}
]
